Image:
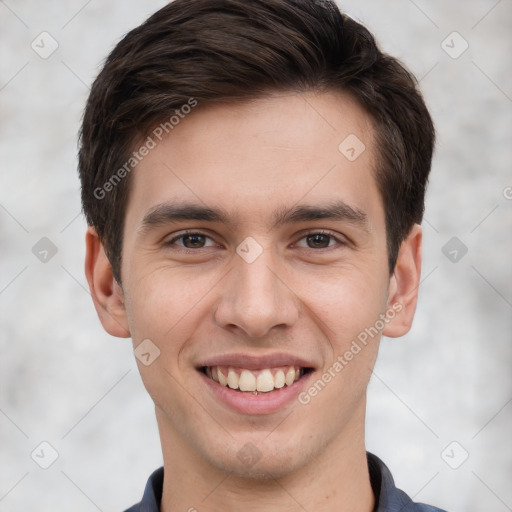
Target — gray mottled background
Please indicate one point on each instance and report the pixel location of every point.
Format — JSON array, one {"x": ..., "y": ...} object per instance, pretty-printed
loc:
[{"x": 440, "y": 394}]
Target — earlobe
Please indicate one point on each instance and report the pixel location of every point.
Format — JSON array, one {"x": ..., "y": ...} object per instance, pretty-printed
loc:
[
  {"x": 404, "y": 284},
  {"x": 106, "y": 293}
]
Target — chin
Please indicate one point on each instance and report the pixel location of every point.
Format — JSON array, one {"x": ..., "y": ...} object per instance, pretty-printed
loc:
[{"x": 265, "y": 463}]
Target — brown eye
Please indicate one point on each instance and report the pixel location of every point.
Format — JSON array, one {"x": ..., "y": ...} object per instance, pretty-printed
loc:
[
  {"x": 194, "y": 241},
  {"x": 318, "y": 241}
]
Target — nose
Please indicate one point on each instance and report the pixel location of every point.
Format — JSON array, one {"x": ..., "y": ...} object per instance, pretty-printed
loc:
[{"x": 255, "y": 298}]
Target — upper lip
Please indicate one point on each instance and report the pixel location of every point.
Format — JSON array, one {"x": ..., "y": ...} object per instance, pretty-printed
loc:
[{"x": 256, "y": 362}]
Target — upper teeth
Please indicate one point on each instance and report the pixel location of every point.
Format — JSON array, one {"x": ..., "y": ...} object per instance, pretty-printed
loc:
[{"x": 260, "y": 380}]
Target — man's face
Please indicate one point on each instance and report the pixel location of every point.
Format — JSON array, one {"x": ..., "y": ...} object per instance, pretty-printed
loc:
[{"x": 253, "y": 243}]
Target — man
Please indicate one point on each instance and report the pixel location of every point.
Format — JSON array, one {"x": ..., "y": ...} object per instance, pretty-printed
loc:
[{"x": 253, "y": 175}]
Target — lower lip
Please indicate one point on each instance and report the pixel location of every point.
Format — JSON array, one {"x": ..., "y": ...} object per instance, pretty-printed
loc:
[{"x": 266, "y": 403}]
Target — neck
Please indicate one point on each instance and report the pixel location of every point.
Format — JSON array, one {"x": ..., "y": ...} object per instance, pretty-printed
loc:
[{"x": 335, "y": 480}]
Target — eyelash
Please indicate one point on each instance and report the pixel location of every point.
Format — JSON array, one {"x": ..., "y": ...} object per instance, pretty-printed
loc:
[{"x": 314, "y": 232}]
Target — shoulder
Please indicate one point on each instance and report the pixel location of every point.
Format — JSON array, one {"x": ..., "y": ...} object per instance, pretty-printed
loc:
[
  {"x": 152, "y": 494},
  {"x": 387, "y": 496}
]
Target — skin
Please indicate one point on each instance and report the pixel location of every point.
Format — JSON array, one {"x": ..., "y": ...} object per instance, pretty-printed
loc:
[{"x": 251, "y": 159}]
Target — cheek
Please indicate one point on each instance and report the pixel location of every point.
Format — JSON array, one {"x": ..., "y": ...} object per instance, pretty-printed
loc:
[
  {"x": 346, "y": 308},
  {"x": 164, "y": 304},
  {"x": 164, "y": 307},
  {"x": 345, "y": 303}
]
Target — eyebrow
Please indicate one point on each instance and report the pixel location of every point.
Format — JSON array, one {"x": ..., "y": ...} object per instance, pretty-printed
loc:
[
  {"x": 337, "y": 210},
  {"x": 166, "y": 213}
]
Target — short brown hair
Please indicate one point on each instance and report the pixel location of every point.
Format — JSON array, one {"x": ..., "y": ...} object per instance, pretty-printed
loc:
[{"x": 225, "y": 50}]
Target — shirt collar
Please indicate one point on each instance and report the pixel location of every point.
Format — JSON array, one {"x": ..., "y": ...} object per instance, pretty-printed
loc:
[{"x": 387, "y": 497}]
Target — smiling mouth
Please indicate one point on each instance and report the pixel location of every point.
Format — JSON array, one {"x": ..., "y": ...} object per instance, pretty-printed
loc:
[{"x": 255, "y": 382}]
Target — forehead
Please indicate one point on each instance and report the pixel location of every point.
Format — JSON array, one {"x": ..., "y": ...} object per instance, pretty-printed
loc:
[{"x": 255, "y": 156}]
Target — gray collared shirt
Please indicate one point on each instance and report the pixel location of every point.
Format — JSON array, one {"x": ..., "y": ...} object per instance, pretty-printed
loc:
[{"x": 387, "y": 497}]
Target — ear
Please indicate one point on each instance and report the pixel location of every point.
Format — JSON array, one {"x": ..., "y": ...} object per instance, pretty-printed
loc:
[
  {"x": 106, "y": 293},
  {"x": 403, "y": 285}
]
